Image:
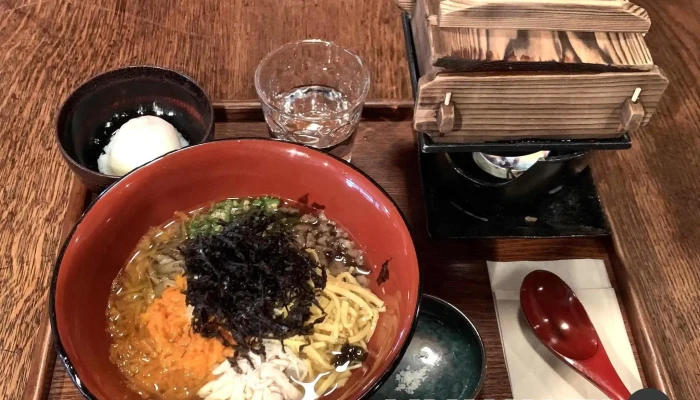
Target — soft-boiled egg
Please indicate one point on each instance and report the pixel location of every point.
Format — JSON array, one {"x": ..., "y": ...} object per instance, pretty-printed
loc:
[{"x": 137, "y": 142}]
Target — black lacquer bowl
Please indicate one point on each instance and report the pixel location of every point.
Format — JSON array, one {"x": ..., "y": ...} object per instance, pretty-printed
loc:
[
  {"x": 445, "y": 360},
  {"x": 105, "y": 102}
]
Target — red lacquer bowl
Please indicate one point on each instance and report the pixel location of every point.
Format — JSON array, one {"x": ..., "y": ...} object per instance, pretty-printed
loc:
[{"x": 107, "y": 233}]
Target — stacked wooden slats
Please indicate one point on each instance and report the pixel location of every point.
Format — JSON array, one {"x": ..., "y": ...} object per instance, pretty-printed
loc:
[
  {"x": 529, "y": 69},
  {"x": 522, "y": 105},
  {"x": 407, "y": 5},
  {"x": 556, "y": 15}
]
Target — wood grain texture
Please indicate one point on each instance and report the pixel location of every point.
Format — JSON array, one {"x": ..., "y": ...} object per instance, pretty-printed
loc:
[
  {"x": 552, "y": 15},
  {"x": 43, "y": 360},
  {"x": 651, "y": 194},
  {"x": 525, "y": 105},
  {"x": 644, "y": 333},
  {"x": 49, "y": 47},
  {"x": 451, "y": 270},
  {"x": 373, "y": 109},
  {"x": 44, "y": 357},
  {"x": 425, "y": 36},
  {"x": 468, "y": 49},
  {"x": 631, "y": 115},
  {"x": 477, "y": 48},
  {"x": 407, "y": 5}
]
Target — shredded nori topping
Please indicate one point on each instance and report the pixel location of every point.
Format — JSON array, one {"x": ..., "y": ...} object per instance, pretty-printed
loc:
[
  {"x": 252, "y": 282},
  {"x": 383, "y": 273},
  {"x": 317, "y": 206},
  {"x": 349, "y": 355}
]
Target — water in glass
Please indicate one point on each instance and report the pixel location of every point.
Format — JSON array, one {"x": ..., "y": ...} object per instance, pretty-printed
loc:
[{"x": 315, "y": 115}]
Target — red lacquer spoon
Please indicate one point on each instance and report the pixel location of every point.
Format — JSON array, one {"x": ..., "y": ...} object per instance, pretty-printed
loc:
[{"x": 562, "y": 324}]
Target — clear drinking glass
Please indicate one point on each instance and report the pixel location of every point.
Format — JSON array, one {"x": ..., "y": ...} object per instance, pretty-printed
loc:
[{"x": 312, "y": 92}]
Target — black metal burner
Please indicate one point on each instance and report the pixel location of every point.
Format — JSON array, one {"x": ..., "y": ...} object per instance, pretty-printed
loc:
[{"x": 462, "y": 212}]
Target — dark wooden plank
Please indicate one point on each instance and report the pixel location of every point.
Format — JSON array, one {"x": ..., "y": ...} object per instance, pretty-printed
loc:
[
  {"x": 233, "y": 110},
  {"x": 522, "y": 105},
  {"x": 44, "y": 358},
  {"x": 553, "y": 15},
  {"x": 651, "y": 194},
  {"x": 481, "y": 48}
]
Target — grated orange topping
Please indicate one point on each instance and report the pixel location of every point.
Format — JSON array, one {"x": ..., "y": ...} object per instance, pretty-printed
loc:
[{"x": 162, "y": 355}]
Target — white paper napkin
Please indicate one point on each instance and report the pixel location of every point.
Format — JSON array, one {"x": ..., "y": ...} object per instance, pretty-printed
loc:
[{"x": 535, "y": 373}]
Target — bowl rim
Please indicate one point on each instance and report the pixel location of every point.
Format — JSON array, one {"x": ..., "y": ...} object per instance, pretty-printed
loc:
[
  {"x": 90, "y": 81},
  {"x": 58, "y": 344}
]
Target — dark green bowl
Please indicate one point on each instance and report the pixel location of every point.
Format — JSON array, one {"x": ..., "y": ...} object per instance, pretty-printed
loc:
[{"x": 445, "y": 360}]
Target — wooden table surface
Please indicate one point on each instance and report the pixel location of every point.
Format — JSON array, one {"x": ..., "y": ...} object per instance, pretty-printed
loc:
[{"x": 49, "y": 47}]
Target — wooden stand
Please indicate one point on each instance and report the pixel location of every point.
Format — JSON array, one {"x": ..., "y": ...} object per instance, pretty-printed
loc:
[{"x": 525, "y": 105}]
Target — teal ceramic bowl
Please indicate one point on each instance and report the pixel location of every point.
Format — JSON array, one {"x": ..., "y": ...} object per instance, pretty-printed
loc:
[{"x": 445, "y": 359}]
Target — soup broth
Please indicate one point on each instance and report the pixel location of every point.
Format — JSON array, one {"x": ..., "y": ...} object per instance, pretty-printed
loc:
[{"x": 240, "y": 299}]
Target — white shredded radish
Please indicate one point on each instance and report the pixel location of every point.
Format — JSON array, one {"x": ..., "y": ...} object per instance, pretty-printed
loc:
[{"x": 269, "y": 380}]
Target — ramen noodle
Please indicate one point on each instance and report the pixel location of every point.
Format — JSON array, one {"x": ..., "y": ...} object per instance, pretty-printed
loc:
[{"x": 243, "y": 299}]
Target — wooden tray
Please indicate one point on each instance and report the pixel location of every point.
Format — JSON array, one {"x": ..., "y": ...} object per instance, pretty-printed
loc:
[{"x": 454, "y": 271}]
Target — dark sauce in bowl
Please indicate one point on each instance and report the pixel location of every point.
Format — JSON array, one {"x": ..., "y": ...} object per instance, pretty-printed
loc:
[{"x": 105, "y": 131}]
